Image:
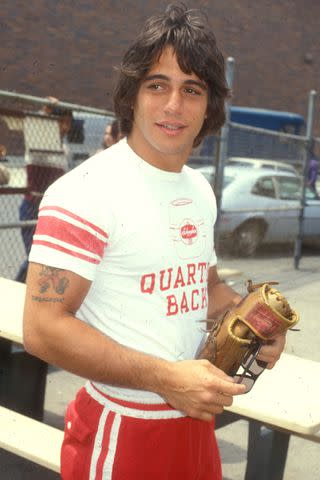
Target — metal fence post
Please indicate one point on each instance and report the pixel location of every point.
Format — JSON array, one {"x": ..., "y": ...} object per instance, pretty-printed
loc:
[
  {"x": 306, "y": 159},
  {"x": 223, "y": 150}
]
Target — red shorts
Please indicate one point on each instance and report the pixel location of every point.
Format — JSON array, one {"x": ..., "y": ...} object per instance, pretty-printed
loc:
[{"x": 107, "y": 438}]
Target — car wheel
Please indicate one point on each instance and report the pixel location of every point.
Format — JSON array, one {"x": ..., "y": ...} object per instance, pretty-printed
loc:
[{"x": 247, "y": 238}]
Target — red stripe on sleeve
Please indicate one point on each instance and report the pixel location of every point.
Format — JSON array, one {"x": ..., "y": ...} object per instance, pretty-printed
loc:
[
  {"x": 76, "y": 217},
  {"x": 75, "y": 236}
]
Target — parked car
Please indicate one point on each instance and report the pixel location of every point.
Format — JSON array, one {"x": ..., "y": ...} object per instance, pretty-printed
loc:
[
  {"x": 261, "y": 163},
  {"x": 262, "y": 206},
  {"x": 197, "y": 161}
]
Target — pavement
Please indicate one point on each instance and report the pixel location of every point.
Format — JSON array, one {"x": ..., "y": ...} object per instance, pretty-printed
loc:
[{"x": 302, "y": 288}]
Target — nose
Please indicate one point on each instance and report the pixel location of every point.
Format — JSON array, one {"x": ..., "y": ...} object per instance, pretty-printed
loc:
[{"x": 174, "y": 102}]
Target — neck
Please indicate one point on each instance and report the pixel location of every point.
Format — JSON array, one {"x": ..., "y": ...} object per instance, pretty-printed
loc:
[{"x": 168, "y": 161}]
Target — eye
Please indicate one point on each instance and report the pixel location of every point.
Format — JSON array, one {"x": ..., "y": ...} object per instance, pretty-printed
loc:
[
  {"x": 155, "y": 86},
  {"x": 192, "y": 91}
]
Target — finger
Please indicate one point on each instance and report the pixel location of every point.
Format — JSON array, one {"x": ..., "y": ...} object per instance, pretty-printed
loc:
[
  {"x": 222, "y": 400},
  {"x": 220, "y": 373},
  {"x": 269, "y": 354},
  {"x": 206, "y": 416},
  {"x": 228, "y": 387},
  {"x": 211, "y": 412},
  {"x": 270, "y": 365}
]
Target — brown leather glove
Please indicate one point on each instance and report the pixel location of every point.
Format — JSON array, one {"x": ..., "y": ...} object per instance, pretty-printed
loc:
[{"x": 263, "y": 314}]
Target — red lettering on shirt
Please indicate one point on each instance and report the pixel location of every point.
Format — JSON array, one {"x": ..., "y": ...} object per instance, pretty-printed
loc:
[
  {"x": 147, "y": 283},
  {"x": 194, "y": 304},
  {"x": 164, "y": 287},
  {"x": 172, "y": 305},
  {"x": 204, "y": 298},
  {"x": 202, "y": 267},
  {"x": 184, "y": 304},
  {"x": 179, "y": 279},
  {"x": 191, "y": 273}
]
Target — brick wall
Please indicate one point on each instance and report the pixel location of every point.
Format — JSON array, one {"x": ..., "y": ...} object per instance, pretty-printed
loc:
[{"x": 69, "y": 49}]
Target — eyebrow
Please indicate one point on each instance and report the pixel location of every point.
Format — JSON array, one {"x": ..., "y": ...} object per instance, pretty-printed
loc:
[{"x": 160, "y": 76}]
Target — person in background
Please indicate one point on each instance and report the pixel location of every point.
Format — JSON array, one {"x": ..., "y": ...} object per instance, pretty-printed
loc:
[
  {"x": 3, "y": 153},
  {"x": 4, "y": 171},
  {"x": 123, "y": 270},
  {"x": 42, "y": 172},
  {"x": 313, "y": 172},
  {"x": 111, "y": 135}
]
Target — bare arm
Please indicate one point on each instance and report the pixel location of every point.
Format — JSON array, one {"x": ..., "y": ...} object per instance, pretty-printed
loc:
[{"x": 53, "y": 333}]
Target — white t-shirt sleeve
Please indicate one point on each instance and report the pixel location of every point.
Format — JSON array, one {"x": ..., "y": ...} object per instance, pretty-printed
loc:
[{"x": 71, "y": 233}]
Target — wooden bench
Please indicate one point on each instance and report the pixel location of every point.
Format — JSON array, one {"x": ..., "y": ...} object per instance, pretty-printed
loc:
[
  {"x": 11, "y": 309},
  {"x": 30, "y": 439}
]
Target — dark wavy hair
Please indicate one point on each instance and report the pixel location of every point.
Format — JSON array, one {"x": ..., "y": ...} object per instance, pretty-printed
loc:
[{"x": 188, "y": 32}]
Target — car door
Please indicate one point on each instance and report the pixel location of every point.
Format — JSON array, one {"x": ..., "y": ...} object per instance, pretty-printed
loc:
[
  {"x": 311, "y": 225},
  {"x": 266, "y": 199},
  {"x": 289, "y": 192}
]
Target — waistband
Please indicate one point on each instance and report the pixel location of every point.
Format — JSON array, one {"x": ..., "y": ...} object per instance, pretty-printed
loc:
[{"x": 133, "y": 409}]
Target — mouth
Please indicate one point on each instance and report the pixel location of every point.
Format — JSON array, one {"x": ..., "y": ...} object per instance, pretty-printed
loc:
[{"x": 171, "y": 128}]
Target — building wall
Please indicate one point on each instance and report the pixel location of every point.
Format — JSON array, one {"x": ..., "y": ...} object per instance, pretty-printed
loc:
[{"x": 69, "y": 49}]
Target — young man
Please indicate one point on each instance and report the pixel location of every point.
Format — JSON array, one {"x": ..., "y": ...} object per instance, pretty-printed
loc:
[{"x": 121, "y": 277}]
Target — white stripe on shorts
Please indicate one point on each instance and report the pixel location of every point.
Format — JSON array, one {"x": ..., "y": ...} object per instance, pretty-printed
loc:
[
  {"x": 98, "y": 444},
  {"x": 108, "y": 464}
]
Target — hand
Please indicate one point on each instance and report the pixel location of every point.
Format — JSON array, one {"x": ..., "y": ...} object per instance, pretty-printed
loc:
[
  {"x": 271, "y": 351},
  {"x": 199, "y": 389},
  {"x": 53, "y": 100},
  {"x": 47, "y": 109}
]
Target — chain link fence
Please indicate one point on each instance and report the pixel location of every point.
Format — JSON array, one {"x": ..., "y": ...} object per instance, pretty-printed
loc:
[
  {"x": 257, "y": 143},
  {"x": 35, "y": 149},
  {"x": 273, "y": 202}
]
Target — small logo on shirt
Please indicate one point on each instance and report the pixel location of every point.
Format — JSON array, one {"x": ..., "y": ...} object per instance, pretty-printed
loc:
[
  {"x": 188, "y": 232},
  {"x": 187, "y": 228}
]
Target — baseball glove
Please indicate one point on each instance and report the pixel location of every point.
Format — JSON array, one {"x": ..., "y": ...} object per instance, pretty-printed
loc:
[{"x": 263, "y": 314}]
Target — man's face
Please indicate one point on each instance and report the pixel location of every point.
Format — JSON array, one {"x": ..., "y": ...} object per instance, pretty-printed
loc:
[
  {"x": 169, "y": 112},
  {"x": 107, "y": 138}
]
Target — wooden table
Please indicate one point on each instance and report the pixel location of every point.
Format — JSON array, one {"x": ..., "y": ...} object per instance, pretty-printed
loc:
[
  {"x": 23, "y": 376},
  {"x": 283, "y": 402},
  {"x": 12, "y": 295},
  {"x": 286, "y": 396}
]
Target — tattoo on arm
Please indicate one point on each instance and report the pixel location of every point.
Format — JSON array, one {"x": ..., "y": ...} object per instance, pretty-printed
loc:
[
  {"x": 54, "y": 278},
  {"x": 36, "y": 298}
]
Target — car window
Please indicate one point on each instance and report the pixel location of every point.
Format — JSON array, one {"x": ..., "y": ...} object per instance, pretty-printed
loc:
[
  {"x": 267, "y": 166},
  {"x": 238, "y": 163},
  {"x": 289, "y": 188},
  {"x": 264, "y": 187},
  {"x": 209, "y": 176}
]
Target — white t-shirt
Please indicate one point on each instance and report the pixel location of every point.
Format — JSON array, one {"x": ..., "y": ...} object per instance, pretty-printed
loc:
[{"x": 144, "y": 237}]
